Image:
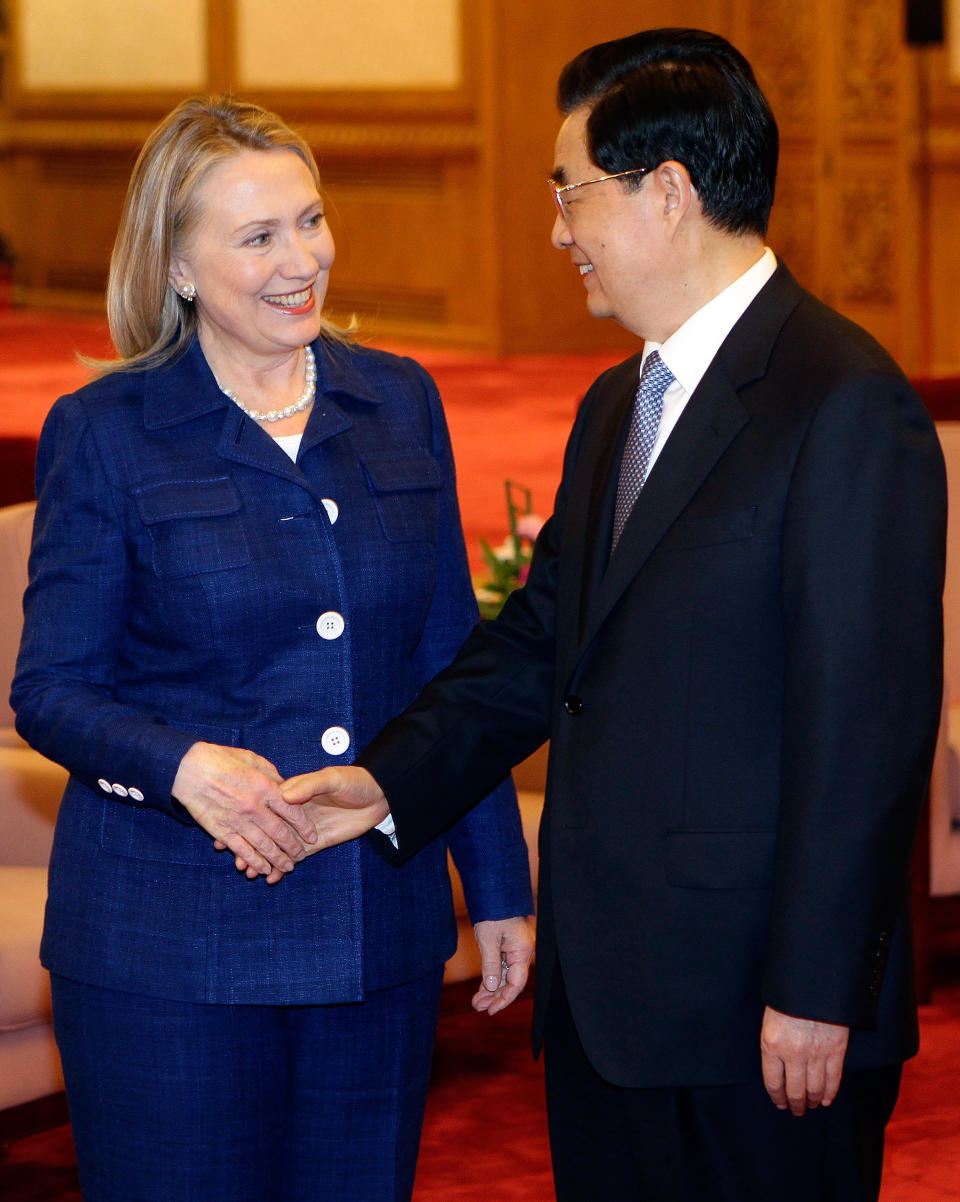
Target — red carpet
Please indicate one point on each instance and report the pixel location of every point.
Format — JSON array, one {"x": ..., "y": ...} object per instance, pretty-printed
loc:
[{"x": 485, "y": 1133}]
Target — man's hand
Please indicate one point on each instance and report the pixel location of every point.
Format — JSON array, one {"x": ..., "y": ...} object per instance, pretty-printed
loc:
[
  {"x": 343, "y": 803},
  {"x": 802, "y": 1060},
  {"x": 334, "y": 805},
  {"x": 506, "y": 949},
  {"x": 229, "y": 791}
]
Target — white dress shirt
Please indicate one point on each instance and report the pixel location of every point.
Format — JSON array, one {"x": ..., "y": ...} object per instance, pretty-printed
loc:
[{"x": 690, "y": 350}]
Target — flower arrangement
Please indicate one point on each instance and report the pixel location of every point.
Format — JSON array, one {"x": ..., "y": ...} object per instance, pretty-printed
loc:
[{"x": 509, "y": 563}]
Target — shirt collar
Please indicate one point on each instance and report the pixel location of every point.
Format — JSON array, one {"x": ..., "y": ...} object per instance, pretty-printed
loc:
[{"x": 690, "y": 350}]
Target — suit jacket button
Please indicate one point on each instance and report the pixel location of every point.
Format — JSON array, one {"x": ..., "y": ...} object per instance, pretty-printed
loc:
[
  {"x": 335, "y": 740},
  {"x": 572, "y": 703},
  {"x": 331, "y": 625}
]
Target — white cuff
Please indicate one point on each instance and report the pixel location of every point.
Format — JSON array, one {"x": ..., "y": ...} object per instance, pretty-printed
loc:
[{"x": 388, "y": 828}]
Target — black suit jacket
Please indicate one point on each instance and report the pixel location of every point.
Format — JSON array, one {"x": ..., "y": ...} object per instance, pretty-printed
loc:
[{"x": 742, "y": 703}]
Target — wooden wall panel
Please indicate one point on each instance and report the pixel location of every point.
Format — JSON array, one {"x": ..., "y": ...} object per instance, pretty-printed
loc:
[
  {"x": 81, "y": 44},
  {"x": 366, "y": 44},
  {"x": 838, "y": 79},
  {"x": 937, "y": 175},
  {"x": 398, "y": 229},
  {"x": 401, "y": 166},
  {"x": 944, "y": 263},
  {"x": 441, "y": 212},
  {"x": 397, "y": 223},
  {"x": 784, "y": 47},
  {"x": 540, "y": 298},
  {"x": 69, "y": 201},
  {"x": 6, "y": 166}
]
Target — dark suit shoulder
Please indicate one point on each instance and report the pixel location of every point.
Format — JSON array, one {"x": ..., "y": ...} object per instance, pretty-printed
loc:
[
  {"x": 836, "y": 340},
  {"x": 790, "y": 353}
]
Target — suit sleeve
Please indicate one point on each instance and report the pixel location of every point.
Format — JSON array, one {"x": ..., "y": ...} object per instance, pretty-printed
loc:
[
  {"x": 862, "y": 577},
  {"x": 487, "y": 844},
  {"x": 486, "y": 712},
  {"x": 75, "y": 617}
]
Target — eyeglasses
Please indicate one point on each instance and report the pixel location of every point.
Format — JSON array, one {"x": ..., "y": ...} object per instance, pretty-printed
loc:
[{"x": 559, "y": 189}]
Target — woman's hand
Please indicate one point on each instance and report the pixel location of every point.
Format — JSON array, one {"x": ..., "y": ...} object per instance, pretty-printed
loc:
[{"x": 231, "y": 792}]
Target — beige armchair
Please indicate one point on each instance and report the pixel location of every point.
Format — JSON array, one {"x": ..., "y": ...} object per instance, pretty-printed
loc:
[{"x": 30, "y": 791}]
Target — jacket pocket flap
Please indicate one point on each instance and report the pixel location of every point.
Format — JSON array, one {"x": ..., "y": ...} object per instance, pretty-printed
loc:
[
  {"x": 188, "y": 499},
  {"x": 402, "y": 473},
  {"x": 711, "y": 531},
  {"x": 720, "y": 859}
]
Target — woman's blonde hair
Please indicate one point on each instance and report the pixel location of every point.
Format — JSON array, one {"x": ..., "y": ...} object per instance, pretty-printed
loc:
[{"x": 149, "y": 322}]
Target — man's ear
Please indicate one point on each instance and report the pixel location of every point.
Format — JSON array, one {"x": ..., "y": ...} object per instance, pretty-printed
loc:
[{"x": 679, "y": 194}]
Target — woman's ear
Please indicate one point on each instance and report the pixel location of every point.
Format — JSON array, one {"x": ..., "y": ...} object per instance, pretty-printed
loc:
[{"x": 180, "y": 281}]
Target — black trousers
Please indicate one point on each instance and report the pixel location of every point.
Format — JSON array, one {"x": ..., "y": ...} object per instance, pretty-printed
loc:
[{"x": 725, "y": 1143}]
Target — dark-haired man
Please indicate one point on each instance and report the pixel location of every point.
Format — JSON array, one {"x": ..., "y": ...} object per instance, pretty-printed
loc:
[{"x": 732, "y": 634}]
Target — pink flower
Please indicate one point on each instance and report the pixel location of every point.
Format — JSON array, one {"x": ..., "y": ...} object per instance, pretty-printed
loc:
[{"x": 529, "y": 526}]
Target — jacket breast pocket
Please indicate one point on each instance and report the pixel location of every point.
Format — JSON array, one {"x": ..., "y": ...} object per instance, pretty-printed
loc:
[
  {"x": 195, "y": 526},
  {"x": 711, "y": 530},
  {"x": 405, "y": 490}
]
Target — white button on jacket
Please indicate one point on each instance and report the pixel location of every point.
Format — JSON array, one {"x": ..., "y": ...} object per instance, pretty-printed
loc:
[
  {"x": 330, "y": 625},
  {"x": 334, "y": 740}
]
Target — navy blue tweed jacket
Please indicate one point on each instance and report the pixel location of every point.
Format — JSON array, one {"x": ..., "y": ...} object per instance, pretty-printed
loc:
[{"x": 180, "y": 568}]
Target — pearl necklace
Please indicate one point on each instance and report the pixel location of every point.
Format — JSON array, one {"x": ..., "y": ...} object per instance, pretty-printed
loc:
[{"x": 306, "y": 397}]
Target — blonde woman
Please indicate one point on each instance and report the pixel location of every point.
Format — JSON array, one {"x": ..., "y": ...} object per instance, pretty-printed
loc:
[{"x": 247, "y": 556}]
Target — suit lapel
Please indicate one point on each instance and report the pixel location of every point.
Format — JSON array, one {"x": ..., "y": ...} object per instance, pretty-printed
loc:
[
  {"x": 711, "y": 420},
  {"x": 598, "y": 456}
]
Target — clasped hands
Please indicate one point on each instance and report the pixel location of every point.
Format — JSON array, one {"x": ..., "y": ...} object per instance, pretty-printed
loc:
[{"x": 270, "y": 824}]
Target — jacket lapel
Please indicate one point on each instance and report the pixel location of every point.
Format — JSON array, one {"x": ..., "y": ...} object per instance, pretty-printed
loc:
[
  {"x": 711, "y": 420},
  {"x": 598, "y": 456},
  {"x": 186, "y": 389}
]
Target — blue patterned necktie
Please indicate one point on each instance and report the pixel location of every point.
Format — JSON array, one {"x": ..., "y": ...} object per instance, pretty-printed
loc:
[{"x": 655, "y": 379}]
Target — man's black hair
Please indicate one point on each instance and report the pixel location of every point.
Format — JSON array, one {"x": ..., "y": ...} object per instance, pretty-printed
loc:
[{"x": 686, "y": 95}]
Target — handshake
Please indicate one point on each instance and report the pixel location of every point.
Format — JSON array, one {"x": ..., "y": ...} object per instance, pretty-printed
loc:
[{"x": 268, "y": 823}]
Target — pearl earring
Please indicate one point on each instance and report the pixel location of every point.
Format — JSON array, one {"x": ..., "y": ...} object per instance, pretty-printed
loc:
[{"x": 189, "y": 292}]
